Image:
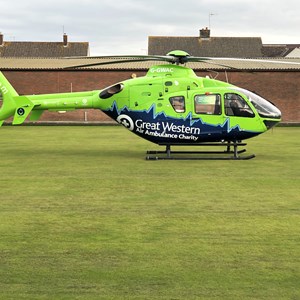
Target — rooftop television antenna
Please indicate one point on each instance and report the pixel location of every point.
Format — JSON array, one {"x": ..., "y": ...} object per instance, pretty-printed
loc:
[{"x": 209, "y": 15}]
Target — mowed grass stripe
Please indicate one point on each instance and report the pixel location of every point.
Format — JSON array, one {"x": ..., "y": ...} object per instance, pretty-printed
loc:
[{"x": 84, "y": 216}]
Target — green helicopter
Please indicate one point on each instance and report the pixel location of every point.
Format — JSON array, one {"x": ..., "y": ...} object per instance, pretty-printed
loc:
[{"x": 169, "y": 106}]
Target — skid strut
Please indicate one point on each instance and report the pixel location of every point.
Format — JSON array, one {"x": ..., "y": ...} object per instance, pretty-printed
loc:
[{"x": 231, "y": 152}]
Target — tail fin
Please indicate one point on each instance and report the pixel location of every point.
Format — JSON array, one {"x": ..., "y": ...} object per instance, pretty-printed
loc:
[{"x": 11, "y": 104}]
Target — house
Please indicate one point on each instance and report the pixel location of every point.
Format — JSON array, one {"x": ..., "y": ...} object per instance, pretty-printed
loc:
[
  {"x": 43, "y": 49},
  {"x": 280, "y": 50},
  {"x": 295, "y": 53},
  {"x": 206, "y": 45}
]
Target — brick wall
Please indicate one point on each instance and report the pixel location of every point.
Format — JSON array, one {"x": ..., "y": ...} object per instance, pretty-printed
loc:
[{"x": 281, "y": 88}]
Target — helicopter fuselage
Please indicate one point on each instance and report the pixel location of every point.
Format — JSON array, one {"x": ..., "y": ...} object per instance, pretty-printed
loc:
[{"x": 171, "y": 105}]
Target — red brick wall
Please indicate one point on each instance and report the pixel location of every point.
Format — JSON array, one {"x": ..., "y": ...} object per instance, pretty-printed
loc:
[{"x": 281, "y": 88}]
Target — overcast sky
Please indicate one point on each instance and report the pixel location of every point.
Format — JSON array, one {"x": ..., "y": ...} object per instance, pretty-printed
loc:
[{"x": 123, "y": 26}]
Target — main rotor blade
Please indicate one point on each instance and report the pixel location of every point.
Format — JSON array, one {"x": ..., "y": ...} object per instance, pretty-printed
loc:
[
  {"x": 123, "y": 59},
  {"x": 119, "y": 56},
  {"x": 174, "y": 59},
  {"x": 232, "y": 59},
  {"x": 210, "y": 61}
]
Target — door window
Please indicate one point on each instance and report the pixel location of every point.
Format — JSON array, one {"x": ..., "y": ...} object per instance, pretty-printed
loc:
[
  {"x": 235, "y": 105},
  {"x": 178, "y": 103},
  {"x": 208, "y": 104}
]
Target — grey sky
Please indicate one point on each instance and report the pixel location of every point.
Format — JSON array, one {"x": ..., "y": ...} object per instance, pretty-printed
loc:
[{"x": 123, "y": 27}]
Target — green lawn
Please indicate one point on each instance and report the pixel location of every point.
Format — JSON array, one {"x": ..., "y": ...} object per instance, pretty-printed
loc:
[{"x": 84, "y": 216}]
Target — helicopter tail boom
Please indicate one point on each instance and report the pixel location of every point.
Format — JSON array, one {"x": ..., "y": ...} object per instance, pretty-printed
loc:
[{"x": 19, "y": 107}]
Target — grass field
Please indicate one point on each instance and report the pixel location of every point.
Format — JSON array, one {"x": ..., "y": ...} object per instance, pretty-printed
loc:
[{"x": 84, "y": 216}]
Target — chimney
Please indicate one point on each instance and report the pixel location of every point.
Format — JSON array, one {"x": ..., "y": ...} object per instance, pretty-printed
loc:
[
  {"x": 205, "y": 33},
  {"x": 65, "y": 39},
  {"x": 1, "y": 39}
]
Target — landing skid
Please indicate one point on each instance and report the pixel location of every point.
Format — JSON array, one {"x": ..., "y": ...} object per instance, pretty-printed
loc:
[{"x": 231, "y": 149}]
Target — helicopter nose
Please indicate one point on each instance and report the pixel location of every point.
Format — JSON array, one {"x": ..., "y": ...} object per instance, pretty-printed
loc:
[
  {"x": 271, "y": 115},
  {"x": 268, "y": 112},
  {"x": 271, "y": 123}
]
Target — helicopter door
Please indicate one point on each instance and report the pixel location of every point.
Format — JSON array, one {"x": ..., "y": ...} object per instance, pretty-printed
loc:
[
  {"x": 236, "y": 106},
  {"x": 207, "y": 107},
  {"x": 239, "y": 113}
]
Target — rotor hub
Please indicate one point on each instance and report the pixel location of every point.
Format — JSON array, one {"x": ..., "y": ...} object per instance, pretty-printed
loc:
[{"x": 180, "y": 57}]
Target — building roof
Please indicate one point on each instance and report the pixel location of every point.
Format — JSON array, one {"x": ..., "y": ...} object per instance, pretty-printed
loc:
[
  {"x": 294, "y": 53},
  {"x": 278, "y": 50},
  {"x": 36, "y": 64},
  {"x": 206, "y": 45},
  {"x": 43, "y": 49},
  {"x": 212, "y": 46}
]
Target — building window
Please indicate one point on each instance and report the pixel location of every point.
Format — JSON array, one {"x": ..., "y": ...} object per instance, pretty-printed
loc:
[
  {"x": 209, "y": 104},
  {"x": 178, "y": 103},
  {"x": 236, "y": 106}
]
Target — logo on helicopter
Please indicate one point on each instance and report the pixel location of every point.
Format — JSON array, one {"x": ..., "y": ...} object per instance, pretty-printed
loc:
[
  {"x": 160, "y": 129},
  {"x": 162, "y": 70},
  {"x": 126, "y": 121}
]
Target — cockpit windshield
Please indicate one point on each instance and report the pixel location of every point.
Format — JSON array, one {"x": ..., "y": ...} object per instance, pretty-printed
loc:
[{"x": 264, "y": 108}]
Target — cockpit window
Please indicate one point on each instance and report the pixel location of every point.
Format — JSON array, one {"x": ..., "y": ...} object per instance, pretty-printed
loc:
[
  {"x": 236, "y": 106},
  {"x": 178, "y": 103},
  {"x": 264, "y": 108}
]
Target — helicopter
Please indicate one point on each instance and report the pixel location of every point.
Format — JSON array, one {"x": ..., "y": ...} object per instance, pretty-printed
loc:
[{"x": 169, "y": 106}]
